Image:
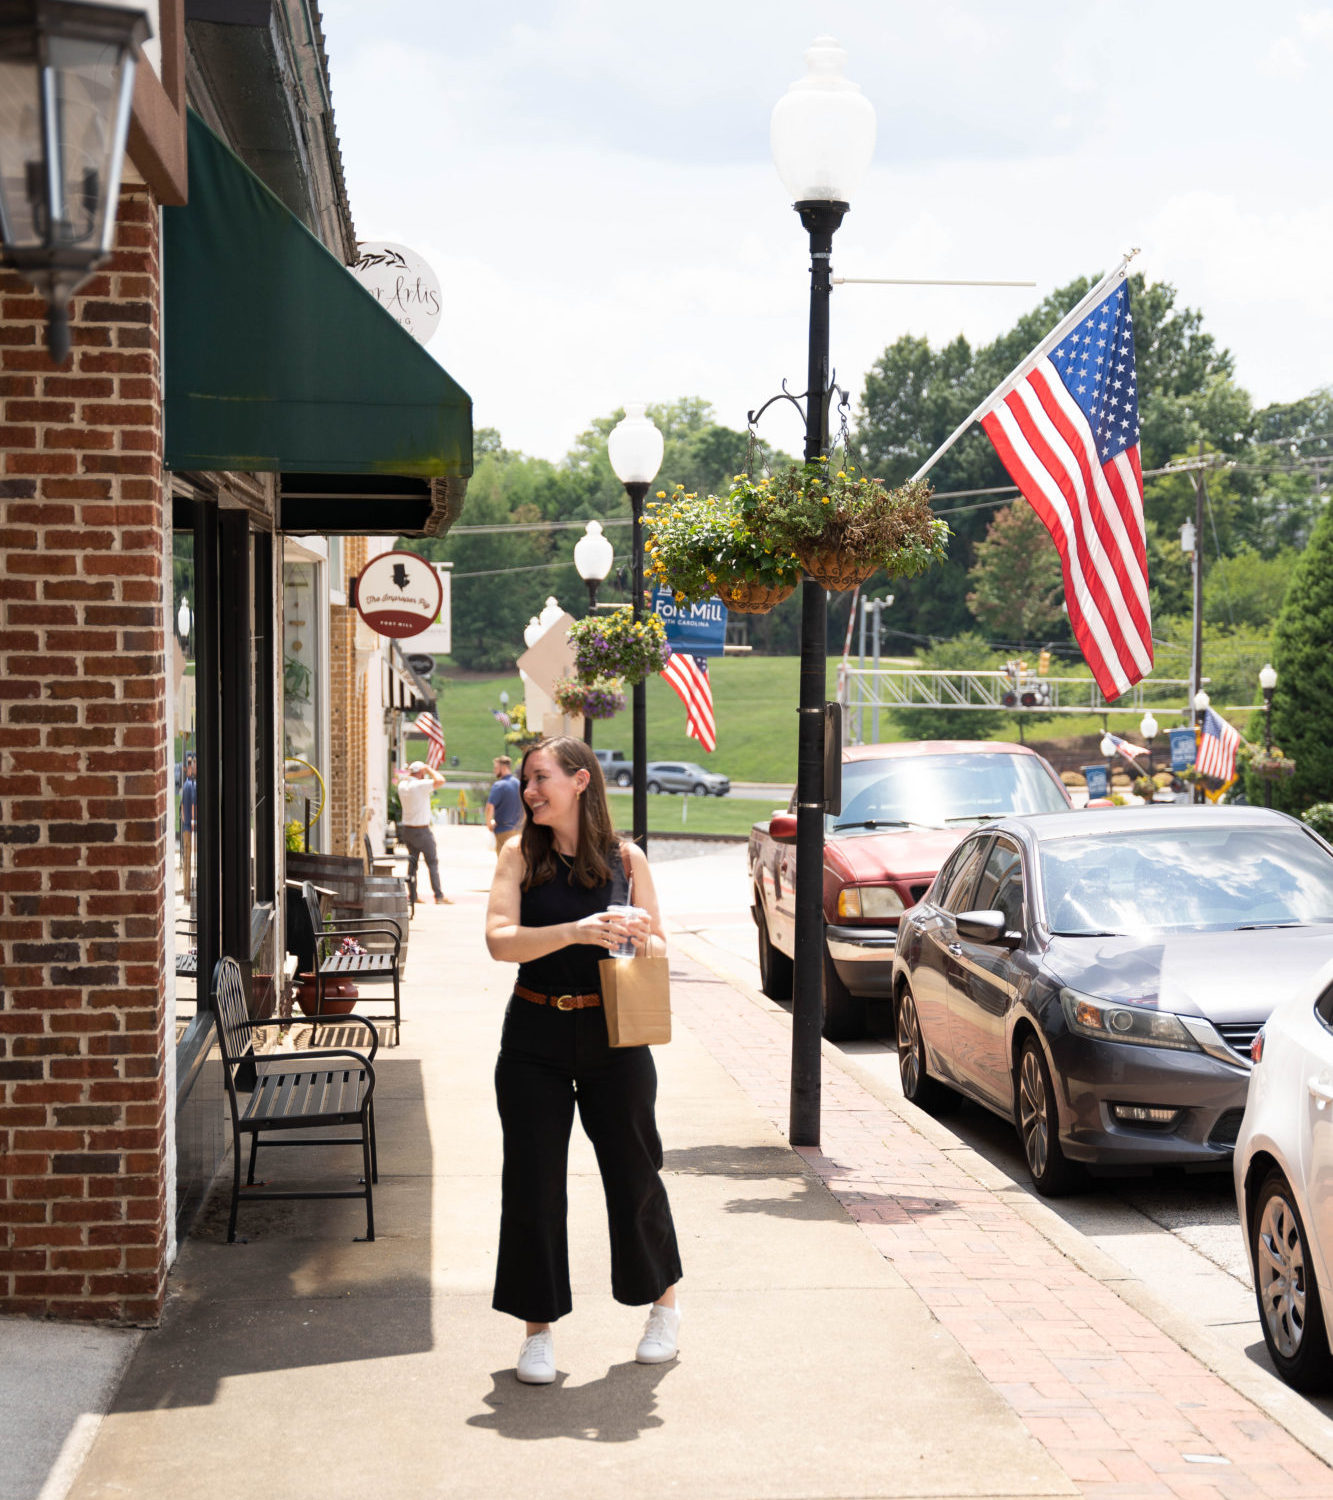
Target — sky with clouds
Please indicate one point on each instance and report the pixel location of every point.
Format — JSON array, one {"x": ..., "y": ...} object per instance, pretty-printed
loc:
[{"x": 592, "y": 183}]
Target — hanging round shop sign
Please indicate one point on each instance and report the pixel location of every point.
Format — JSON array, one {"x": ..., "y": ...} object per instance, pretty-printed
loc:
[
  {"x": 402, "y": 283},
  {"x": 399, "y": 594}
]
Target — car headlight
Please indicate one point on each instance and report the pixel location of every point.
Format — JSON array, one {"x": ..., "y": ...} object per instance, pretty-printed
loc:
[
  {"x": 869, "y": 901},
  {"x": 1088, "y": 1015}
]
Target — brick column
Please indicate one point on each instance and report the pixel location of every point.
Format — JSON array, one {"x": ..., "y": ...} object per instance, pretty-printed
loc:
[{"x": 84, "y": 796}]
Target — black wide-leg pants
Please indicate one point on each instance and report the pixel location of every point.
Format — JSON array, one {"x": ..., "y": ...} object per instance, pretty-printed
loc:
[{"x": 550, "y": 1063}]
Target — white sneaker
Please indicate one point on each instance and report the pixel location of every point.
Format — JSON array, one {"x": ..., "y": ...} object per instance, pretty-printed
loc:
[
  {"x": 536, "y": 1359},
  {"x": 660, "y": 1333}
]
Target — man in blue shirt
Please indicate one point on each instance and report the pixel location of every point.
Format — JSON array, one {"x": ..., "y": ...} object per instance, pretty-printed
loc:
[{"x": 504, "y": 804}]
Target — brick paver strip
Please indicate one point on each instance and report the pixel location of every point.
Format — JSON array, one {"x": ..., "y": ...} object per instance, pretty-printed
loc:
[{"x": 1121, "y": 1408}]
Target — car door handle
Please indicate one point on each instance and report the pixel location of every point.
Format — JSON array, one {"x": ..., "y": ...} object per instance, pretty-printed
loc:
[{"x": 1321, "y": 1090}]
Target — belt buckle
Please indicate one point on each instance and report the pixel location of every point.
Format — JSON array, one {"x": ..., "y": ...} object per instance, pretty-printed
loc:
[{"x": 563, "y": 1002}]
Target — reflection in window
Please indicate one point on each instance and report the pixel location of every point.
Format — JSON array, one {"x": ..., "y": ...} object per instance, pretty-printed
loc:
[
  {"x": 943, "y": 788},
  {"x": 185, "y": 746},
  {"x": 1181, "y": 880},
  {"x": 300, "y": 697}
]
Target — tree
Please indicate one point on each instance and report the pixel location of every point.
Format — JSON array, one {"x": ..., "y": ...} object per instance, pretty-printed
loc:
[
  {"x": 968, "y": 653},
  {"x": 1303, "y": 703},
  {"x": 1017, "y": 582}
]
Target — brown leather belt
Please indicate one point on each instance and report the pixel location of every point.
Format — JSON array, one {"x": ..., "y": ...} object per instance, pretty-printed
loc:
[{"x": 561, "y": 1002}]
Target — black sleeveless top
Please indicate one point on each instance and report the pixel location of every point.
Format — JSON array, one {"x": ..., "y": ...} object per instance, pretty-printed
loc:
[{"x": 571, "y": 970}]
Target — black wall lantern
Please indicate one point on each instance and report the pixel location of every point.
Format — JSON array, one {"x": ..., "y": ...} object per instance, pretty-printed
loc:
[{"x": 66, "y": 90}]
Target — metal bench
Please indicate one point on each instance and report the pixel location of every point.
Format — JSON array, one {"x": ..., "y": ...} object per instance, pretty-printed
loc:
[
  {"x": 360, "y": 968},
  {"x": 333, "y": 1087}
]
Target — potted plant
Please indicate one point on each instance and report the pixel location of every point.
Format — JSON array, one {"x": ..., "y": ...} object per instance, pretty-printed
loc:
[
  {"x": 602, "y": 699},
  {"x": 340, "y": 995},
  {"x": 618, "y": 646},
  {"x": 701, "y": 545},
  {"x": 518, "y": 735},
  {"x": 845, "y": 525}
]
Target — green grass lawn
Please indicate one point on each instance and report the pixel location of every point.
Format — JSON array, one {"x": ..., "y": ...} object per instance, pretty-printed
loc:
[{"x": 754, "y": 702}]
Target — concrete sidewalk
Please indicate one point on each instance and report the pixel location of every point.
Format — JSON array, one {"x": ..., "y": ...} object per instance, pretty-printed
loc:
[{"x": 883, "y": 1317}]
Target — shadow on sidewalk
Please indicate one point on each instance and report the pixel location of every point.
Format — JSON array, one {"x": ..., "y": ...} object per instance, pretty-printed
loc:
[
  {"x": 615, "y": 1409},
  {"x": 296, "y": 1290}
]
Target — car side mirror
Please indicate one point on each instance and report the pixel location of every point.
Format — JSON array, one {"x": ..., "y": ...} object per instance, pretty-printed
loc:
[
  {"x": 782, "y": 828},
  {"x": 986, "y": 927}
]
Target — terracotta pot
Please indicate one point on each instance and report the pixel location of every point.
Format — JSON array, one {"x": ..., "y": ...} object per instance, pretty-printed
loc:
[
  {"x": 837, "y": 571},
  {"x": 754, "y": 598},
  {"x": 340, "y": 996}
]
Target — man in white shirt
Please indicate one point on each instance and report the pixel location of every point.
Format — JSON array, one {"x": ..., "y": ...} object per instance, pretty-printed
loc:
[{"x": 414, "y": 830}]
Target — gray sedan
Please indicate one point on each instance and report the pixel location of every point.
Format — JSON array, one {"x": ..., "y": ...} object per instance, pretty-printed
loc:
[
  {"x": 685, "y": 776},
  {"x": 1098, "y": 977}
]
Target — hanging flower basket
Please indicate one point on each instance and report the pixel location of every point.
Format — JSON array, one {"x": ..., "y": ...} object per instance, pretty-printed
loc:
[
  {"x": 845, "y": 525},
  {"x": 836, "y": 571},
  {"x": 747, "y": 598},
  {"x": 701, "y": 545},
  {"x": 618, "y": 646},
  {"x": 1272, "y": 767},
  {"x": 583, "y": 700}
]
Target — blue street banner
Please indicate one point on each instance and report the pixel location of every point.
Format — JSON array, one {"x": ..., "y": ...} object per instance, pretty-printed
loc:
[
  {"x": 696, "y": 629},
  {"x": 1184, "y": 749},
  {"x": 1099, "y": 782}
]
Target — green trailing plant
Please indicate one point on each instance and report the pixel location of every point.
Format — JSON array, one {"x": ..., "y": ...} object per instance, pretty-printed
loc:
[
  {"x": 1319, "y": 816},
  {"x": 814, "y": 508},
  {"x": 618, "y": 646},
  {"x": 701, "y": 545}
]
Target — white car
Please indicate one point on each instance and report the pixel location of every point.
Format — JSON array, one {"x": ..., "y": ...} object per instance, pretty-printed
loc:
[{"x": 1283, "y": 1167}]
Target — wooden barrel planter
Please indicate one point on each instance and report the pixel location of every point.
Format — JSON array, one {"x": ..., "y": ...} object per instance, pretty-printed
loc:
[
  {"x": 338, "y": 873},
  {"x": 386, "y": 896}
]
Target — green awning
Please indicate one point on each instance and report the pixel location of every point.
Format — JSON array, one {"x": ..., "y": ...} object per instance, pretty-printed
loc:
[{"x": 275, "y": 359}]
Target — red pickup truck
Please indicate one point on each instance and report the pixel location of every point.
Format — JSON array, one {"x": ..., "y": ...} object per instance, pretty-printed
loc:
[{"x": 904, "y": 807}]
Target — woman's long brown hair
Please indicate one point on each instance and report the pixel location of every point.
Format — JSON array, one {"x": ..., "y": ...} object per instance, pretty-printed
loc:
[{"x": 597, "y": 840}]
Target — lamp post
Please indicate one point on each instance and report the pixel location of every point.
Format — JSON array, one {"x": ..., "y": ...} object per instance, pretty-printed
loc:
[
  {"x": 635, "y": 450},
  {"x": 1201, "y": 702},
  {"x": 1108, "y": 752},
  {"x": 1268, "y": 681},
  {"x": 593, "y": 558},
  {"x": 822, "y": 135},
  {"x": 1148, "y": 728},
  {"x": 68, "y": 83}
]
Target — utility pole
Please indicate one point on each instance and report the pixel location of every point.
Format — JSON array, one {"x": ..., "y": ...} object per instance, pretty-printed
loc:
[{"x": 1196, "y": 674}]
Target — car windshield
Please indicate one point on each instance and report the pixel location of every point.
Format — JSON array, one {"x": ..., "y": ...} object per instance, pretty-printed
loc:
[
  {"x": 1185, "y": 880},
  {"x": 938, "y": 789}
]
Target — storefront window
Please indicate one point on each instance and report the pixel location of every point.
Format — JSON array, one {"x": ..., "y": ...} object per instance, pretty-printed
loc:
[
  {"x": 301, "y": 707},
  {"x": 181, "y": 655}
]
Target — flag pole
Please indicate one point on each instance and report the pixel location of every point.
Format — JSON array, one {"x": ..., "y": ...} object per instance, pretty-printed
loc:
[{"x": 1112, "y": 279}]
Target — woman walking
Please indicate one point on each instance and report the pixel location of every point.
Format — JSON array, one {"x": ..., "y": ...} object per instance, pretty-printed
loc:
[{"x": 548, "y": 913}]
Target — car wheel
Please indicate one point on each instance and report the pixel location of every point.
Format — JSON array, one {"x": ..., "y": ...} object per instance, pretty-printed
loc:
[
  {"x": 654, "y": 787},
  {"x": 844, "y": 1013},
  {"x": 775, "y": 968},
  {"x": 623, "y": 778},
  {"x": 919, "y": 1087},
  {"x": 1053, "y": 1174},
  {"x": 699, "y": 789},
  {"x": 1285, "y": 1288}
]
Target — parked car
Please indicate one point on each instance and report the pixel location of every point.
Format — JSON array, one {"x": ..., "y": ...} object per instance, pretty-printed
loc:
[
  {"x": 904, "y": 808},
  {"x": 1284, "y": 1182},
  {"x": 617, "y": 770},
  {"x": 685, "y": 776},
  {"x": 1098, "y": 977}
]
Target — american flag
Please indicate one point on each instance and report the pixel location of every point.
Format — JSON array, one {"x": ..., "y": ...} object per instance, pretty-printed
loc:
[
  {"x": 689, "y": 676},
  {"x": 429, "y": 725},
  {"x": 1066, "y": 426},
  {"x": 1217, "y": 748},
  {"x": 1130, "y": 751}
]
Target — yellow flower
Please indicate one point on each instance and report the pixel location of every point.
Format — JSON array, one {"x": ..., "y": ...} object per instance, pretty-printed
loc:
[
  {"x": 841, "y": 474},
  {"x": 661, "y": 494}
]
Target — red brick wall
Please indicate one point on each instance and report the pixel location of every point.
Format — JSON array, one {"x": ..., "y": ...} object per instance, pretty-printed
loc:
[{"x": 83, "y": 796}]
